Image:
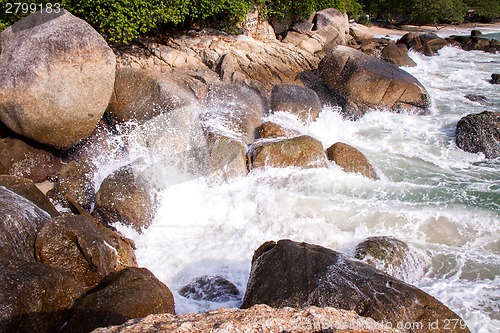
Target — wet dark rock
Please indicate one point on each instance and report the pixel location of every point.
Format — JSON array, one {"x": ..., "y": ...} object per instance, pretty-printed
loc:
[
  {"x": 75, "y": 181},
  {"x": 397, "y": 55},
  {"x": 365, "y": 83},
  {"x": 290, "y": 274},
  {"x": 349, "y": 159},
  {"x": 126, "y": 197},
  {"x": 210, "y": 288},
  {"x": 477, "y": 98},
  {"x": 428, "y": 44},
  {"x": 297, "y": 100},
  {"x": 301, "y": 151},
  {"x": 18, "y": 158},
  {"x": 34, "y": 297},
  {"x": 20, "y": 222},
  {"x": 476, "y": 33},
  {"x": 84, "y": 249},
  {"x": 479, "y": 133},
  {"x": 123, "y": 295},
  {"x": 495, "y": 78},
  {"x": 27, "y": 189},
  {"x": 391, "y": 256}
]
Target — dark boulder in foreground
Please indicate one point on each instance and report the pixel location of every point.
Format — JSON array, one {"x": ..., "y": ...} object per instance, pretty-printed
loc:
[
  {"x": 366, "y": 83},
  {"x": 84, "y": 249},
  {"x": 495, "y": 79},
  {"x": 479, "y": 133},
  {"x": 127, "y": 294},
  {"x": 34, "y": 297},
  {"x": 291, "y": 274}
]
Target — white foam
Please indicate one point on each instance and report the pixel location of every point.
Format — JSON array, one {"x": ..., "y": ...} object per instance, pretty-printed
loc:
[{"x": 442, "y": 201}]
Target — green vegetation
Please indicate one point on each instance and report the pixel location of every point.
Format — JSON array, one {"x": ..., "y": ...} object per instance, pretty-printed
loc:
[{"x": 123, "y": 20}]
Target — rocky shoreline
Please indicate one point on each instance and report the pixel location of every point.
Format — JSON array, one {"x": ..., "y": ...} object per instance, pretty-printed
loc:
[{"x": 197, "y": 101}]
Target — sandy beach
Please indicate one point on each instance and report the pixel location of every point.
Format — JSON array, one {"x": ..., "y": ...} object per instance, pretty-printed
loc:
[{"x": 441, "y": 30}]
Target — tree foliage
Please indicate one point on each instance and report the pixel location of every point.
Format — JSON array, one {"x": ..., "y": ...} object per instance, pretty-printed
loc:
[
  {"x": 485, "y": 9},
  {"x": 123, "y": 20}
]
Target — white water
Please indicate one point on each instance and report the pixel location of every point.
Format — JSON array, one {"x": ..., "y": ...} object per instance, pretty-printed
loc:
[{"x": 445, "y": 203}]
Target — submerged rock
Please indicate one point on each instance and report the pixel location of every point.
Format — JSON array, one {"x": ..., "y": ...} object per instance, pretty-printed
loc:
[
  {"x": 34, "y": 297},
  {"x": 290, "y": 274},
  {"x": 477, "y": 98},
  {"x": 479, "y": 133},
  {"x": 127, "y": 294},
  {"x": 366, "y": 83},
  {"x": 301, "y": 151},
  {"x": 210, "y": 288},
  {"x": 349, "y": 159},
  {"x": 259, "y": 318},
  {"x": 57, "y": 78},
  {"x": 495, "y": 78},
  {"x": 391, "y": 256}
]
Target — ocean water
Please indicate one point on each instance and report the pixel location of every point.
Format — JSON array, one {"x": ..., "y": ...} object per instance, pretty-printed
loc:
[{"x": 444, "y": 202}]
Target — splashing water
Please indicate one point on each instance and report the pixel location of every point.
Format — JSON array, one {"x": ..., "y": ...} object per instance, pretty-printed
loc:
[{"x": 444, "y": 202}]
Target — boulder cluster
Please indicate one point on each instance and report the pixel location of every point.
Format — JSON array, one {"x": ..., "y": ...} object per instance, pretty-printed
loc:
[{"x": 198, "y": 102}]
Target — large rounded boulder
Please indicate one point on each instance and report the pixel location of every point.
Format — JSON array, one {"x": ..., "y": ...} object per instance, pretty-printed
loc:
[
  {"x": 291, "y": 274},
  {"x": 349, "y": 159},
  {"x": 84, "y": 249},
  {"x": 301, "y": 151},
  {"x": 57, "y": 76},
  {"x": 127, "y": 294},
  {"x": 365, "y": 83},
  {"x": 34, "y": 297},
  {"x": 126, "y": 197},
  {"x": 480, "y": 133},
  {"x": 297, "y": 100},
  {"x": 142, "y": 94}
]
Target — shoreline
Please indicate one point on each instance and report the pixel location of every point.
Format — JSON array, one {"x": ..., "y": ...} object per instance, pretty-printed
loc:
[{"x": 460, "y": 29}]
